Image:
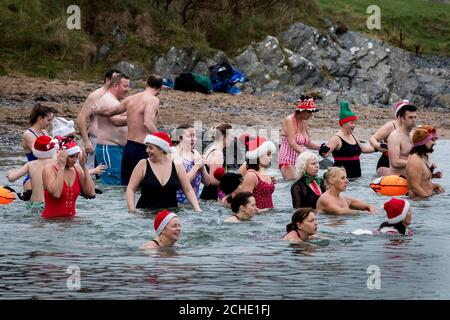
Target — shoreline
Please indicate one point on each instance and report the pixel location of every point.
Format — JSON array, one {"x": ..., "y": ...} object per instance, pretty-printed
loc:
[{"x": 18, "y": 94}]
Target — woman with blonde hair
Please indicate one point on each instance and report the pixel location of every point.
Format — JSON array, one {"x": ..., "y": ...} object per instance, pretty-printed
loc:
[
  {"x": 309, "y": 187},
  {"x": 332, "y": 201}
]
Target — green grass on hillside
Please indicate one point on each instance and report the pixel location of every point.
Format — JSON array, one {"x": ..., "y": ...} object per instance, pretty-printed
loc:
[
  {"x": 36, "y": 42},
  {"x": 421, "y": 25}
]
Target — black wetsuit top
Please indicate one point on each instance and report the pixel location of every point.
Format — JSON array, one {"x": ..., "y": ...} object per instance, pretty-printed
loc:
[
  {"x": 156, "y": 196},
  {"x": 303, "y": 196},
  {"x": 210, "y": 192},
  {"x": 384, "y": 159},
  {"x": 352, "y": 167}
]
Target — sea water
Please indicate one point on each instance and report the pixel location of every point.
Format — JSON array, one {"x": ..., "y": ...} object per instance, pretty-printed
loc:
[{"x": 96, "y": 255}]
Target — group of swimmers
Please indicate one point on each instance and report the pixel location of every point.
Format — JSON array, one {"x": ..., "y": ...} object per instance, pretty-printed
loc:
[{"x": 123, "y": 146}]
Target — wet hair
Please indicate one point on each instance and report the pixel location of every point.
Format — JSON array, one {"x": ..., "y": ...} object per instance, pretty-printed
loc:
[
  {"x": 420, "y": 150},
  {"x": 40, "y": 110},
  {"x": 302, "y": 161},
  {"x": 177, "y": 134},
  {"x": 329, "y": 174},
  {"x": 115, "y": 80},
  {"x": 154, "y": 81},
  {"x": 240, "y": 199},
  {"x": 220, "y": 130},
  {"x": 401, "y": 113},
  {"x": 109, "y": 74},
  {"x": 399, "y": 226},
  {"x": 298, "y": 217}
]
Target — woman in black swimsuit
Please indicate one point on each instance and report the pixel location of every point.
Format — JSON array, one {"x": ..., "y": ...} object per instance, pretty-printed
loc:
[
  {"x": 302, "y": 227},
  {"x": 159, "y": 177},
  {"x": 243, "y": 205},
  {"x": 167, "y": 227},
  {"x": 345, "y": 147}
]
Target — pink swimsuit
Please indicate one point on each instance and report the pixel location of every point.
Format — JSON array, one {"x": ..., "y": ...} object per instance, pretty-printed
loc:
[{"x": 288, "y": 156}]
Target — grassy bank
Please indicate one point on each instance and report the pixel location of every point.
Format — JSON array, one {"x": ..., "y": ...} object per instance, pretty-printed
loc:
[{"x": 35, "y": 40}]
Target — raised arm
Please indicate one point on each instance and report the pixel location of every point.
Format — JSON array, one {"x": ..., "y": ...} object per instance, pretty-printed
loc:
[
  {"x": 13, "y": 175},
  {"x": 86, "y": 183},
  {"x": 53, "y": 182},
  {"x": 135, "y": 180}
]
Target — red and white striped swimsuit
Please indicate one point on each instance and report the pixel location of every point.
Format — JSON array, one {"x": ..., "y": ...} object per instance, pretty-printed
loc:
[{"x": 286, "y": 155}]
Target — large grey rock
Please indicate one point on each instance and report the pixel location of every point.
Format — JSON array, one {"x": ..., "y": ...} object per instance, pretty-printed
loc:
[
  {"x": 173, "y": 63},
  {"x": 134, "y": 71},
  {"x": 339, "y": 65}
]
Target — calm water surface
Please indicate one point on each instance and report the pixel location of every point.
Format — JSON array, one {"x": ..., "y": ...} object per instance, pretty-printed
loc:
[{"x": 220, "y": 261}]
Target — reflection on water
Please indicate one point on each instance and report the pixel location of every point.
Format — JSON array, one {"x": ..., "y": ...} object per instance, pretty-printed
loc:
[{"x": 215, "y": 260}]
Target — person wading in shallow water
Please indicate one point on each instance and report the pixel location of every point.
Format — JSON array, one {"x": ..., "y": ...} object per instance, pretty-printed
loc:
[
  {"x": 345, "y": 147},
  {"x": 379, "y": 139},
  {"x": 302, "y": 227},
  {"x": 333, "y": 202},
  {"x": 419, "y": 169},
  {"x": 295, "y": 136}
]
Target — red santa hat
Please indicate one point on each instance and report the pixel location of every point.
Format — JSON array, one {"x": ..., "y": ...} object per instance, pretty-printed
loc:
[
  {"x": 44, "y": 147},
  {"x": 70, "y": 146},
  {"x": 399, "y": 105},
  {"x": 160, "y": 139},
  {"x": 396, "y": 210},
  {"x": 162, "y": 219},
  {"x": 258, "y": 147}
]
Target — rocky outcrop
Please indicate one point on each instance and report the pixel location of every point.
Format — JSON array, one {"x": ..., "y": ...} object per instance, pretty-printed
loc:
[{"x": 336, "y": 65}]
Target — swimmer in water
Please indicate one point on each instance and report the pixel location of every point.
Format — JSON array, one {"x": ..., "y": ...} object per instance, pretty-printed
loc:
[
  {"x": 303, "y": 226},
  {"x": 243, "y": 205},
  {"x": 332, "y": 201},
  {"x": 167, "y": 227}
]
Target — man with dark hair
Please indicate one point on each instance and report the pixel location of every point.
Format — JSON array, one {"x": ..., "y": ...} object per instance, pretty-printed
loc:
[
  {"x": 142, "y": 117},
  {"x": 399, "y": 141},
  {"x": 112, "y": 131},
  {"x": 419, "y": 170},
  {"x": 87, "y": 122}
]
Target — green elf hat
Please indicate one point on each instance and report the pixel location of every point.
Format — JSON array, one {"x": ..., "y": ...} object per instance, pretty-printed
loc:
[{"x": 345, "y": 114}]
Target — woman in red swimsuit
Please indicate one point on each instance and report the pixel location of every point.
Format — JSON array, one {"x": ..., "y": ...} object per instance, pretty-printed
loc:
[
  {"x": 256, "y": 180},
  {"x": 64, "y": 181}
]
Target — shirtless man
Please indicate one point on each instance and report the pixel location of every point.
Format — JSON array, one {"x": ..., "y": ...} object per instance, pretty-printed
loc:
[
  {"x": 419, "y": 170},
  {"x": 89, "y": 134},
  {"x": 142, "y": 115},
  {"x": 378, "y": 139},
  {"x": 112, "y": 131},
  {"x": 399, "y": 141}
]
